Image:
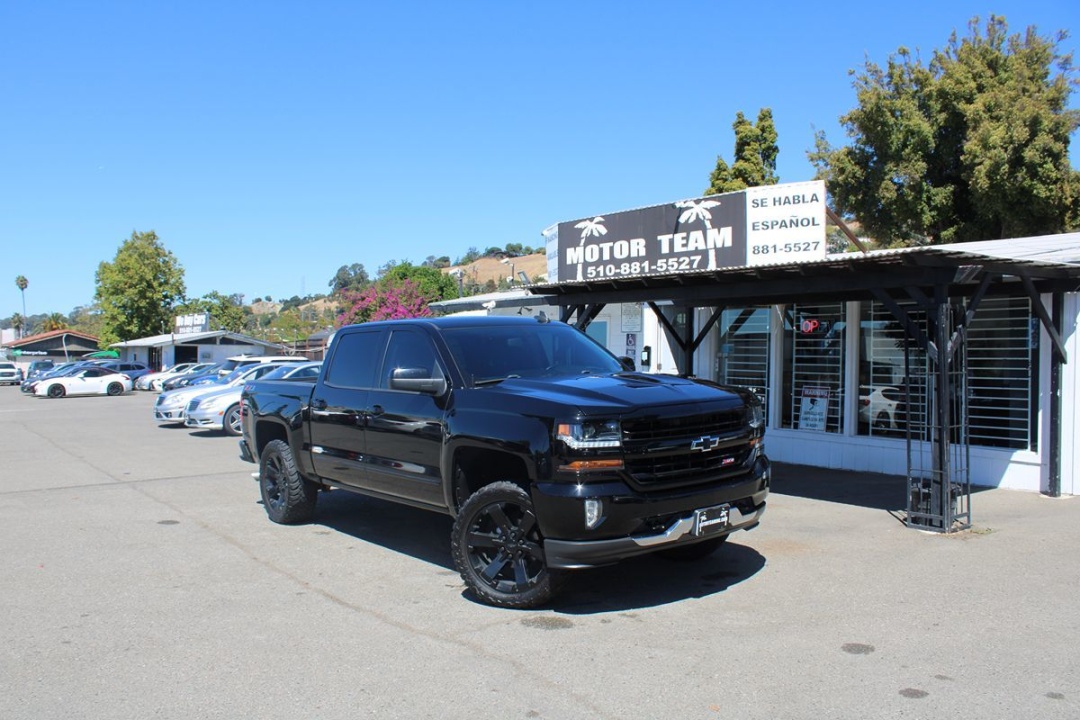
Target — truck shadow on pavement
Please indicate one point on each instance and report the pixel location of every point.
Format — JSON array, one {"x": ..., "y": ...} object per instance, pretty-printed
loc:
[{"x": 637, "y": 583}]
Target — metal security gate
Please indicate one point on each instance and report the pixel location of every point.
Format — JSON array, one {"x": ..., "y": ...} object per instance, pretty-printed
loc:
[
  {"x": 938, "y": 442},
  {"x": 936, "y": 405}
]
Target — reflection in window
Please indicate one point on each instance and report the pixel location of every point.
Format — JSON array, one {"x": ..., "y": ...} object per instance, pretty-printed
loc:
[
  {"x": 814, "y": 341},
  {"x": 1001, "y": 382},
  {"x": 743, "y": 357}
]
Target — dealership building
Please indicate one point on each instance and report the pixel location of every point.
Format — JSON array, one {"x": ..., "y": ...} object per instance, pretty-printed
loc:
[
  {"x": 951, "y": 365},
  {"x": 192, "y": 341}
]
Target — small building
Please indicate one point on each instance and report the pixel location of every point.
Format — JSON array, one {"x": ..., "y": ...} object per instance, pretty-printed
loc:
[
  {"x": 56, "y": 345},
  {"x": 165, "y": 351}
]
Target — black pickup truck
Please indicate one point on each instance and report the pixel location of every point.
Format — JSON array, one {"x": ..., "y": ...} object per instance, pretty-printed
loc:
[{"x": 550, "y": 453}]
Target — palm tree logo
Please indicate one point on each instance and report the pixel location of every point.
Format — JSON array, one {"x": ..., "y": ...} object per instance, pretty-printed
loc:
[
  {"x": 693, "y": 210},
  {"x": 590, "y": 228}
]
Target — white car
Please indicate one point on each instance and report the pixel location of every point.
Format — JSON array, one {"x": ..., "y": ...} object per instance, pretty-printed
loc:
[
  {"x": 87, "y": 381},
  {"x": 879, "y": 407},
  {"x": 153, "y": 381},
  {"x": 220, "y": 409},
  {"x": 169, "y": 406},
  {"x": 10, "y": 373}
]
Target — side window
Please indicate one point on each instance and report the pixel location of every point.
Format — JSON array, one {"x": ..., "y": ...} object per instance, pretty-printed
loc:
[
  {"x": 355, "y": 359},
  {"x": 409, "y": 349},
  {"x": 262, "y": 370}
]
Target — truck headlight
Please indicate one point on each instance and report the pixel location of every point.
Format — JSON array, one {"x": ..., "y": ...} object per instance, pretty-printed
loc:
[{"x": 590, "y": 434}]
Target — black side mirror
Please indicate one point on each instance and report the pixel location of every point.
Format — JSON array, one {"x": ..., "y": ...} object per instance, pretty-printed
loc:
[{"x": 417, "y": 380}]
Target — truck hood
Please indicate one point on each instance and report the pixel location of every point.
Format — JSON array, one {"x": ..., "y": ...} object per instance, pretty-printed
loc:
[{"x": 621, "y": 393}]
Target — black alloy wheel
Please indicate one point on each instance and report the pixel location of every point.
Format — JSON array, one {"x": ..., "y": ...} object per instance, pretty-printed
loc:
[{"x": 498, "y": 549}]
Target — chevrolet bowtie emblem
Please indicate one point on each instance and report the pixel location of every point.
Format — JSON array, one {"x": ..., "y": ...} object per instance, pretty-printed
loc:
[{"x": 705, "y": 444}]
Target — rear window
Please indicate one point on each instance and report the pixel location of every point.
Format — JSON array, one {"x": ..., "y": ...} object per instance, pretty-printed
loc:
[{"x": 355, "y": 360}]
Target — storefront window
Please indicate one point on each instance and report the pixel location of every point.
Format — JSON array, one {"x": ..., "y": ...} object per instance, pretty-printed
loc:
[
  {"x": 743, "y": 355},
  {"x": 814, "y": 342},
  {"x": 1001, "y": 380},
  {"x": 1002, "y": 361},
  {"x": 892, "y": 392}
]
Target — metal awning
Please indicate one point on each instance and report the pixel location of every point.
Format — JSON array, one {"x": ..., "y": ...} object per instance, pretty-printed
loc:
[{"x": 1051, "y": 263}]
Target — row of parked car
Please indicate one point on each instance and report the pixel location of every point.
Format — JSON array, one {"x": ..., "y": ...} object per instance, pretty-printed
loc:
[
  {"x": 199, "y": 395},
  {"x": 80, "y": 377},
  {"x": 208, "y": 398}
]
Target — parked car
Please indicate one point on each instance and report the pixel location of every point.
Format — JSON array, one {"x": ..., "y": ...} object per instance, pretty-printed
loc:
[
  {"x": 170, "y": 404},
  {"x": 10, "y": 374},
  {"x": 38, "y": 367},
  {"x": 206, "y": 375},
  {"x": 84, "y": 381},
  {"x": 879, "y": 407},
  {"x": 131, "y": 369},
  {"x": 154, "y": 381},
  {"x": 238, "y": 361},
  {"x": 55, "y": 371},
  {"x": 220, "y": 409}
]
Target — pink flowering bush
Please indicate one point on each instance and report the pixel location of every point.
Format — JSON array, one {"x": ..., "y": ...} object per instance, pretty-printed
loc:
[{"x": 387, "y": 301}]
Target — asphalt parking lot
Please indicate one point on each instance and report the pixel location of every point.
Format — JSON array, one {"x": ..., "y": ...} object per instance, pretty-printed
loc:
[{"x": 142, "y": 579}]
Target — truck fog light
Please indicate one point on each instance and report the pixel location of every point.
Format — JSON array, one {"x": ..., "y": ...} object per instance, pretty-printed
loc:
[{"x": 594, "y": 511}]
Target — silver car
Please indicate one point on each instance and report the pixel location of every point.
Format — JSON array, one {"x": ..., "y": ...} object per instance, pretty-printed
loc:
[
  {"x": 169, "y": 406},
  {"x": 220, "y": 409}
]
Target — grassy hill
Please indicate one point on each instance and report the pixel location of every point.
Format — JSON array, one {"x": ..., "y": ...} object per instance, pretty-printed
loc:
[{"x": 480, "y": 271}]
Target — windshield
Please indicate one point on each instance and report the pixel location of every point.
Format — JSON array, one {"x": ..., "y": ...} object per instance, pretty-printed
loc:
[{"x": 490, "y": 353}]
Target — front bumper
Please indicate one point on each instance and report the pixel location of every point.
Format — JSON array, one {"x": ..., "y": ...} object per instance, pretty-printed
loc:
[
  {"x": 204, "y": 419},
  {"x": 169, "y": 415},
  {"x": 637, "y": 524}
]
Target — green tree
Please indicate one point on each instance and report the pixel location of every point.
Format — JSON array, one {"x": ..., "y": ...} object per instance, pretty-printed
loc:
[
  {"x": 86, "y": 319},
  {"x": 972, "y": 146},
  {"x": 349, "y": 277},
  {"x": 226, "y": 312},
  {"x": 470, "y": 255},
  {"x": 55, "y": 321},
  {"x": 755, "y": 156},
  {"x": 22, "y": 283},
  {"x": 430, "y": 282},
  {"x": 18, "y": 321},
  {"x": 139, "y": 289}
]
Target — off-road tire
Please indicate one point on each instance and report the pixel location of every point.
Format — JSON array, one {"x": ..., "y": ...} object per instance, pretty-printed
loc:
[
  {"x": 287, "y": 497},
  {"x": 498, "y": 550}
]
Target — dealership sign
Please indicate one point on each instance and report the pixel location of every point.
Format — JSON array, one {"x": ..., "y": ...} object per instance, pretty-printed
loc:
[
  {"x": 757, "y": 226},
  {"x": 194, "y": 323}
]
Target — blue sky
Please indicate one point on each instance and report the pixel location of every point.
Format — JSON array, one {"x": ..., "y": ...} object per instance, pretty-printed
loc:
[{"x": 269, "y": 143}]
